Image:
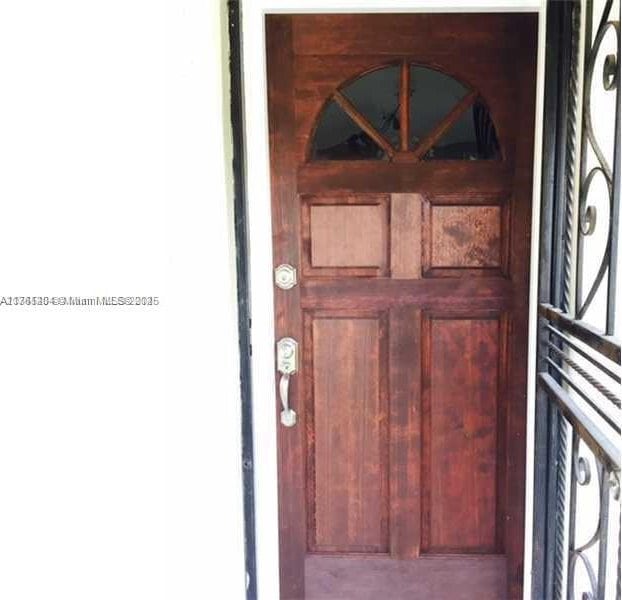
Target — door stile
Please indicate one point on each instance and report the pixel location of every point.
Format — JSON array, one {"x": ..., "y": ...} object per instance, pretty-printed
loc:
[
  {"x": 502, "y": 429},
  {"x": 405, "y": 427},
  {"x": 518, "y": 326},
  {"x": 405, "y": 229},
  {"x": 288, "y": 318}
]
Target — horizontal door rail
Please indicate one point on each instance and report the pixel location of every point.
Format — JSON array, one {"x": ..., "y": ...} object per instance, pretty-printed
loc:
[
  {"x": 602, "y": 447},
  {"x": 607, "y": 345},
  {"x": 490, "y": 177}
]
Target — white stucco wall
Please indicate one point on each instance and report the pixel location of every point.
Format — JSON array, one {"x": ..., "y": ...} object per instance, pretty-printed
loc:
[{"x": 119, "y": 427}]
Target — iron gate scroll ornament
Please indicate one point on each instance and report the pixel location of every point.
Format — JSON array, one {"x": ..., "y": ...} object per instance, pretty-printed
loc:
[{"x": 579, "y": 547}]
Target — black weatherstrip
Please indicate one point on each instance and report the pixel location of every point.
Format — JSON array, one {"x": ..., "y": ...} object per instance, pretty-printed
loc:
[{"x": 244, "y": 324}]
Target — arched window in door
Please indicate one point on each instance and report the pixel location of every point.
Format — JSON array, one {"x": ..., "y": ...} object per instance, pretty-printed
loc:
[{"x": 410, "y": 111}]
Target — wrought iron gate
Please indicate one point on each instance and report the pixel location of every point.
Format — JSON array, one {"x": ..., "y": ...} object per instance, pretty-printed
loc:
[{"x": 578, "y": 416}]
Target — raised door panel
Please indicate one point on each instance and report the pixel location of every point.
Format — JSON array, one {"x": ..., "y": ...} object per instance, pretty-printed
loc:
[
  {"x": 468, "y": 238},
  {"x": 348, "y": 433},
  {"x": 460, "y": 429},
  {"x": 345, "y": 236},
  {"x": 348, "y": 236}
]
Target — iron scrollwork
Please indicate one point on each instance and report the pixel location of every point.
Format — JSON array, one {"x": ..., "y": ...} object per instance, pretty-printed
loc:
[
  {"x": 608, "y": 488},
  {"x": 589, "y": 216},
  {"x": 577, "y": 347},
  {"x": 599, "y": 183}
]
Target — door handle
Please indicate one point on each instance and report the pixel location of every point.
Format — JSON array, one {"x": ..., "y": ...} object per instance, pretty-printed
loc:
[
  {"x": 287, "y": 365},
  {"x": 288, "y": 415}
]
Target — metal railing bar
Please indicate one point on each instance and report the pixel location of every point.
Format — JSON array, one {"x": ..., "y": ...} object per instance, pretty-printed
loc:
[
  {"x": 615, "y": 206},
  {"x": 603, "y": 525},
  {"x": 584, "y": 395},
  {"x": 611, "y": 396},
  {"x": 572, "y": 507},
  {"x": 602, "y": 447},
  {"x": 583, "y": 353},
  {"x": 607, "y": 345}
]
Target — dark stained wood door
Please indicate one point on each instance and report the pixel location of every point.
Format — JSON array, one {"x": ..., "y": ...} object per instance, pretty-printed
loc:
[{"x": 404, "y": 474}]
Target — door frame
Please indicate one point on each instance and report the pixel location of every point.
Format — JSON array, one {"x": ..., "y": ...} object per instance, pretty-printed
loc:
[{"x": 260, "y": 259}]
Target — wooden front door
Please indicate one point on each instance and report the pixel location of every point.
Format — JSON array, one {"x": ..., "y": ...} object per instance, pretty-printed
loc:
[{"x": 401, "y": 158}]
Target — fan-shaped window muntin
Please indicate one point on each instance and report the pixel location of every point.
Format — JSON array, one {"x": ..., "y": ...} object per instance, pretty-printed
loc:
[{"x": 405, "y": 112}]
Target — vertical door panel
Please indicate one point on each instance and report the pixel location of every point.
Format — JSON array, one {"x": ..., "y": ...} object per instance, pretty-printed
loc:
[
  {"x": 460, "y": 434},
  {"x": 349, "y": 449}
]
